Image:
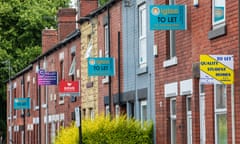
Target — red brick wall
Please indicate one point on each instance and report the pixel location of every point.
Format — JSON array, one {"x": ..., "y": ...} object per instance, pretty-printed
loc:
[
  {"x": 66, "y": 22},
  {"x": 115, "y": 27},
  {"x": 189, "y": 45},
  {"x": 87, "y": 6},
  {"x": 49, "y": 39}
]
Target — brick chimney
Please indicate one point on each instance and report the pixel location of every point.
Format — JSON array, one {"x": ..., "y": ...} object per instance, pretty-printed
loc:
[
  {"x": 49, "y": 39},
  {"x": 66, "y": 22},
  {"x": 87, "y": 6}
]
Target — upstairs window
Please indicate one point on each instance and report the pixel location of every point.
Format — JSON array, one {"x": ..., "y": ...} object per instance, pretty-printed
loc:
[
  {"x": 142, "y": 30},
  {"x": 218, "y": 13},
  {"x": 72, "y": 67},
  {"x": 106, "y": 40},
  {"x": 61, "y": 70}
]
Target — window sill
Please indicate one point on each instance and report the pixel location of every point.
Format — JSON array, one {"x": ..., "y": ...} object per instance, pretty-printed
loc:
[
  {"x": 170, "y": 62},
  {"x": 217, "y": 32},
  {"x": 44, "y": 105},
  {"x": 36, "y": 108},
  {"x": 142, "y": 70},
  {"x": 105, "y": 80},
  {"x": 61, "y": 102}
]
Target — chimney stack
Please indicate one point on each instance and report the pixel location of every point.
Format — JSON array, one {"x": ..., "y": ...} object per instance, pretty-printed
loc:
[
  {"x": 87, "y": 6},
  {"x": 49, "y": 39},
  {"x": 66, "y": 22}
]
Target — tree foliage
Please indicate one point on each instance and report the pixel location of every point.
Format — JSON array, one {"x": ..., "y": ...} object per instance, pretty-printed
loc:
[
  {"x": 102, "y": 2},
  {"x": 21, "y": 23}
]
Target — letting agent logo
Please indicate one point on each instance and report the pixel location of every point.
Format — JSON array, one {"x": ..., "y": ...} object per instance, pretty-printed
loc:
[{"x": 155, "y": 11}]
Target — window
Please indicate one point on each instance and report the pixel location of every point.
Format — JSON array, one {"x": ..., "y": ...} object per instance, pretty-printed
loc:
[
  {"x": 106, "y": 40},
  {"x": 106, "y": 50},
  {"x": 28, "y": 89},
  {"x": 218, "y": 13},
  {"x": 143, "y": 111},
  {"x": 189, "y": 120},
  {"x": 61, "y": 100},
  {"x": 172, "y": 46},
  {"x": 72, "y": 67},
  {"x": 61, "y": 70},
  {"x": 220, "y": 114},
  {"x": 91, "y": 113},
  {"x": 89, "y": 48},
  {"x": 117, "y": 111},
  {"x": 131, "y": 111},
  {"x": 173, "y": 120},
  {"x": 202, "y": 114},
  {"x": 171, "y": 49},
  {"x": 142, "y": 29},
  {"x": 107, "y": 110}
]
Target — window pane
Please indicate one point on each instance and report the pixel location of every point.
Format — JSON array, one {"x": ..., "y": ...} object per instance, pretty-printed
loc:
[
  {"x": 220, "y": 96},
  {"x": 173, "y": 131},
  {"x": 173, "y": 107},
  {"x": 106, "y": 41},
  {"x": 142, "y": 51},
  {"x": 221, "y": 129},
  {"x": 218, "y": 11},
  {"x": 189, "y": 104},
  {"x": 143, "y": 111}
]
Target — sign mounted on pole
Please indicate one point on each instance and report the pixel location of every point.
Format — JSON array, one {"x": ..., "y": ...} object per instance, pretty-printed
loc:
[
  {"x": 101, "y": 66},
  {"x": 168, "y": 17},
  {"x": 216, "y": 69}
]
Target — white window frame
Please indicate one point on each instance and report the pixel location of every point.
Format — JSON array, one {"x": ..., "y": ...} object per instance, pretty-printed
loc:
[
  {"x": 143, "y": 104},
  {"x": 107, "y": 110},
  {"x": 91, "y": 114},
  {"x": 90, "y": 46},
  {"x": 218, "y": 3},
  {"x": 189, "y": 117},
  {"x": 117, "y": 111},
  {"x": 106, "y": 39},
  {"x": 61, "y": 100},
  {"x": 28, "y": 89},
  {"x": 172, "y": 58},
  {"x": 72, "y": 67},
  {"x": 202, "y": 114},
  {"x": 173, "y": 118},
  {"x": 106, "y": 50},
  {"x": 142, "y": 30},
  {"x": 219, "y": 111}
]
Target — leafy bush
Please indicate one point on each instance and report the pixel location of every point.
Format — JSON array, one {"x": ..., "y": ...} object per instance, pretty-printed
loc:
[{"x": 102, "y": 130}]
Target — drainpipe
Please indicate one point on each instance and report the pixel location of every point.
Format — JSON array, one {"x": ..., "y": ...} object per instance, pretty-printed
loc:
[
  {"x": 39, "y": 100},
  {"x": 233, "y": 114},
  {"x": 24, "y": 120},
  {"x": 119, "y": 76},
  {"x": 109, "y": 51}
]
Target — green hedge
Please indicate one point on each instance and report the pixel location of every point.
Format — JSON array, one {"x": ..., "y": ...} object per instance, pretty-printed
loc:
[{"x": 102, "y": 130}]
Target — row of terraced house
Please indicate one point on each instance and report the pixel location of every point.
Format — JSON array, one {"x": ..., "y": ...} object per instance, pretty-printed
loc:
[{"x": 156, "y": 78}]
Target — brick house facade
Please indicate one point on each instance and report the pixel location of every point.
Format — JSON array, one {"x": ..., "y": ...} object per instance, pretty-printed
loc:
[
  {"x": 187, "y": 111},
  {"x": 183, "y": 110}
]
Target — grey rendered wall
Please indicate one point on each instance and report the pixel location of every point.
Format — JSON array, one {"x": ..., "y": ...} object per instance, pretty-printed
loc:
[{"x": 132, "y": 80}]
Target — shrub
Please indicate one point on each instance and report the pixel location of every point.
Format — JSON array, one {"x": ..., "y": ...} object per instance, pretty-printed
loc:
[{"x": 102, "y": 130}]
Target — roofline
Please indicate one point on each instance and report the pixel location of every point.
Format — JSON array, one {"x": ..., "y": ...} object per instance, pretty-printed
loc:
[
  {"x": 58, "y": 46},
  {"x": 97, "y": 12}
]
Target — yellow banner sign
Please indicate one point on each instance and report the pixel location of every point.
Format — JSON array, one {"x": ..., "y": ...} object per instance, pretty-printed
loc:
[{"x": 216, "y": 69}]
